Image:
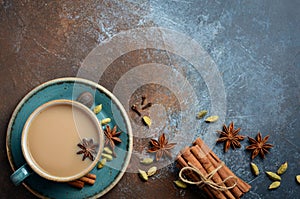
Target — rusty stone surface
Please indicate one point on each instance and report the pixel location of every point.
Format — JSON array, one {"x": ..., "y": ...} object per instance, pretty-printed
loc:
[{"x": 254, "y": 45}]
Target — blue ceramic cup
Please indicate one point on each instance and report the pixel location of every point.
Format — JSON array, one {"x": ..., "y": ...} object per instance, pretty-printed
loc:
[{"x": 31, "y": 165}]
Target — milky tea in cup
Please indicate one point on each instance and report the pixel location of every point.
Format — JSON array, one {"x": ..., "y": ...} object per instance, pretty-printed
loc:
[{"x": 51, "y": 136}]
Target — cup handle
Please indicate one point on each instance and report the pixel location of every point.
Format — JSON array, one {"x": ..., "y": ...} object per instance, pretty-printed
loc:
[{"x": 21, "y": 174}]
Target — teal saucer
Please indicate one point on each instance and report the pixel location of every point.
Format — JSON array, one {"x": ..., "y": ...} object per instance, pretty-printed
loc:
[{"x": 70, "y": 88}]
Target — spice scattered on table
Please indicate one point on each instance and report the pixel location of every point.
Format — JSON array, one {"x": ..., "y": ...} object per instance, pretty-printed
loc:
[
  {"x": 274, "y": 185},
  {"x": 201, "y": 166},
  {"x": 148, "y": 105},
  {"x": 298, "y": 178},
  {"x": 276, "y": 176},
  {"x": 140, "y": 110},
  {"x": 147, "y": 120},
  {"x": 212, "y": 119},
  {"x": 230, "y": 136},
  {"x": 143, "y": 175},
  {"x": 146, "y": 161},
  {"x": 201, "y": 114},
  {"x": 135, "y": 109},
  {"x": 254, "y": 168},
  {"x": 180, "y": 184},
  {"x": 259, "y": 145},
  {"x": 282, "y": 169},
  {"x": 151, "y": 171},
  {"x": 273, "y": 176},
  {"x": 161, "y": 147}
]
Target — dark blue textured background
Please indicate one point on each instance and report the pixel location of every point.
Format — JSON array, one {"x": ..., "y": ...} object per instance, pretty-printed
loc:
[{"x": 256, "y": 46}]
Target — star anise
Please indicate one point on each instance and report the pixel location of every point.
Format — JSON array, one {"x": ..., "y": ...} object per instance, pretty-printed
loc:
[
  {"x": 111, "y": 136},
  {"x": 259, "y": 145},
  {"x": 88, "y": 149},
  {"x": 230, "y": 136},
  {"x": 161, "y": 147}
]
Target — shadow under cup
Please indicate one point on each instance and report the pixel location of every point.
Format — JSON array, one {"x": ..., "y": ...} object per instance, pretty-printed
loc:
[{"x": 50, "y": 141}]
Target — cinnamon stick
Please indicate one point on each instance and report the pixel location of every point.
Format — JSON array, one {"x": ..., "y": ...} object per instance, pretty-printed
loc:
[
  {"x": 209, "y": 167},
  {"x": 91, "y": 176},
  {"x": 192, "y": 175},
  {"x": 77, "y": 184},
  {"x": 242, "y": 185},
  {"x": 186, "y": 154},
  {"x": 189, "y": 174},
  {"x": 87, "y": 180},
  {"x": 224, "y": 172}
]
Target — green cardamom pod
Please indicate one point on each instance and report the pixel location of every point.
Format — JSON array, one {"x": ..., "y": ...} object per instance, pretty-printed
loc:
[
  {"x": 180, "y": 184},
  {"x": 107, "y": 156},
  {"x": 212, "y": 119},
  {"x": 151, "y": 171},
  {"x": 143, "y": 175},
  {"x": 274, "y": 185},
  {"x": 147, "y": 120},
  {"x": 97, "y": 109},
  {"x": 273, "y": 176},
  {"x": 201, "y": 114},
  {"x": 254, "y": 168},
  {"x": 105, "y": 121},
  {"x": 147, "y": 161},
  {"x": 282, "y": 168},
  {"x": 107, "y": 150},
  {"x": 102, "y": 163}
]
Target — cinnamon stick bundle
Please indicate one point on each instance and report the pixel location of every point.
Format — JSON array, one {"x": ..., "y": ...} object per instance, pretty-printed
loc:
[{"x": 212, "y": 175}]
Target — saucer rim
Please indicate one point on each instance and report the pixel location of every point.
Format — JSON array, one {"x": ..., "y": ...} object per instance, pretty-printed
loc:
[{"x": 75, "y": 80}]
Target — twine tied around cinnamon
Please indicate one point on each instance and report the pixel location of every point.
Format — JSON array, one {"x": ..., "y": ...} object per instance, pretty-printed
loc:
[{"x": 206, "y": 180}]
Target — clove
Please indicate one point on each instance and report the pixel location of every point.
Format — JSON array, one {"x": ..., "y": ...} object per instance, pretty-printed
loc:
[
  {"x": 143, "y": 99},
  {"x": 147, "y": 106},
  {"x": 135, "y": 109}
]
